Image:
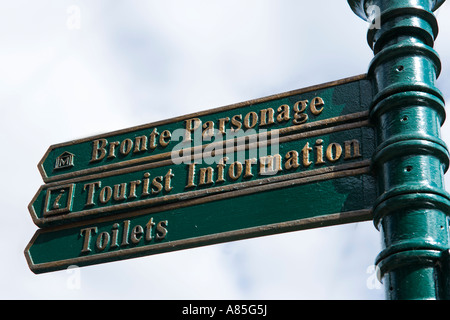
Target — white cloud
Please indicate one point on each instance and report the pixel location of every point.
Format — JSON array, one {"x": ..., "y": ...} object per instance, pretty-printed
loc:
[{"x": 134, "y": 62}]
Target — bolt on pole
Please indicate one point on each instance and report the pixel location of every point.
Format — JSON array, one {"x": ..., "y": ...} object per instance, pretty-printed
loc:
[{"x": 410, "y": 160}]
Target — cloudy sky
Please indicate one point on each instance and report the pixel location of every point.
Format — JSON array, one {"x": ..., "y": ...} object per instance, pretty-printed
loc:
[{"x": 72, "y": 69}]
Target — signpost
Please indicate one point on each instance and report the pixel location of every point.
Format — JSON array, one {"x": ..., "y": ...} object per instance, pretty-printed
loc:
[
  {"x": 410, "y": 159},
  {"x": 320, "y": 142},
  {"x": 369, "y": 144}
]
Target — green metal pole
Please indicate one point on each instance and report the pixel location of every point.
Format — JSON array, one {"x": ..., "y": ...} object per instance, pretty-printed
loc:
[{"x": 411, "y": 159}]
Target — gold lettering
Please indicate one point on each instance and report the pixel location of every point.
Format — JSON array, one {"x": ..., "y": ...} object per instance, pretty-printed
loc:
[
  {"x": 164, "y": 139},
  {"x": 319, "y": 152},
  {"x": 102, "y": 149},
  {"x": 119, "y": 191},
  {"x": 305, "y": 155},
  {"x": 348, "y": 149},
  {"x": 206, "y": 176},
  {"x": 157, "y": 184},
  {"x": 283, "y": 113},
  {"x": 248, "y": 167},
  {"x": 136, "y": 234},
  {"x": 126, "y": 230},
  {"x": 140, "y": 144},
  {"x": 236, "y": 121},
  {"x": 191, "y": 126},
  {"x": 91, "y": 191},
  {"x": 334, "y": 156},
  {"x": 222, "y": 122},
  {"x": 126, "y": 146},
  {"x": 115, "y": 232},
  {"x": 316, "y": 103},
  {"x": 191, "y": 175},
  {"x": 209, "y": 129},
  {"x": 153, "y": 135},
  {"x": 87, "y": 238},
  {"x": 220, "y": 170},
  {"x": 267, "y": 117},
  {"x": 254, "y": 116},
  {"x": 167, "y": 181},
  {"x": 112, "y": 149},
  {"x": 133, "y": 185},
  {"x": 56, "y": 202},
  {"x": 105, "y": 194},
  {"x": 148, "y": 230},
  {"x": 145, "y": 184},
  {"x": 299, "y": 109},
  {"x": 98, "y": 150},
  {"x": 269, "y": 165},
  {"x": 102, "y": 241},
  {"x": 235, "y": 170},
  {"x": 291, "y": 160},
  {"x": 161, "y": 230}
]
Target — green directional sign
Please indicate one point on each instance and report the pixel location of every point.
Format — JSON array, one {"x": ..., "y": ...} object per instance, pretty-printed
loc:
[
  {"x": 250, "y": 181},
  {"x": 290, "y": 112}
]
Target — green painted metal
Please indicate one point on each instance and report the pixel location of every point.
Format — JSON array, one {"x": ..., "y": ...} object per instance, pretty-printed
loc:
[
  {"x": 263, "y": 187},
  {"x": 410, "y": 159}
]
